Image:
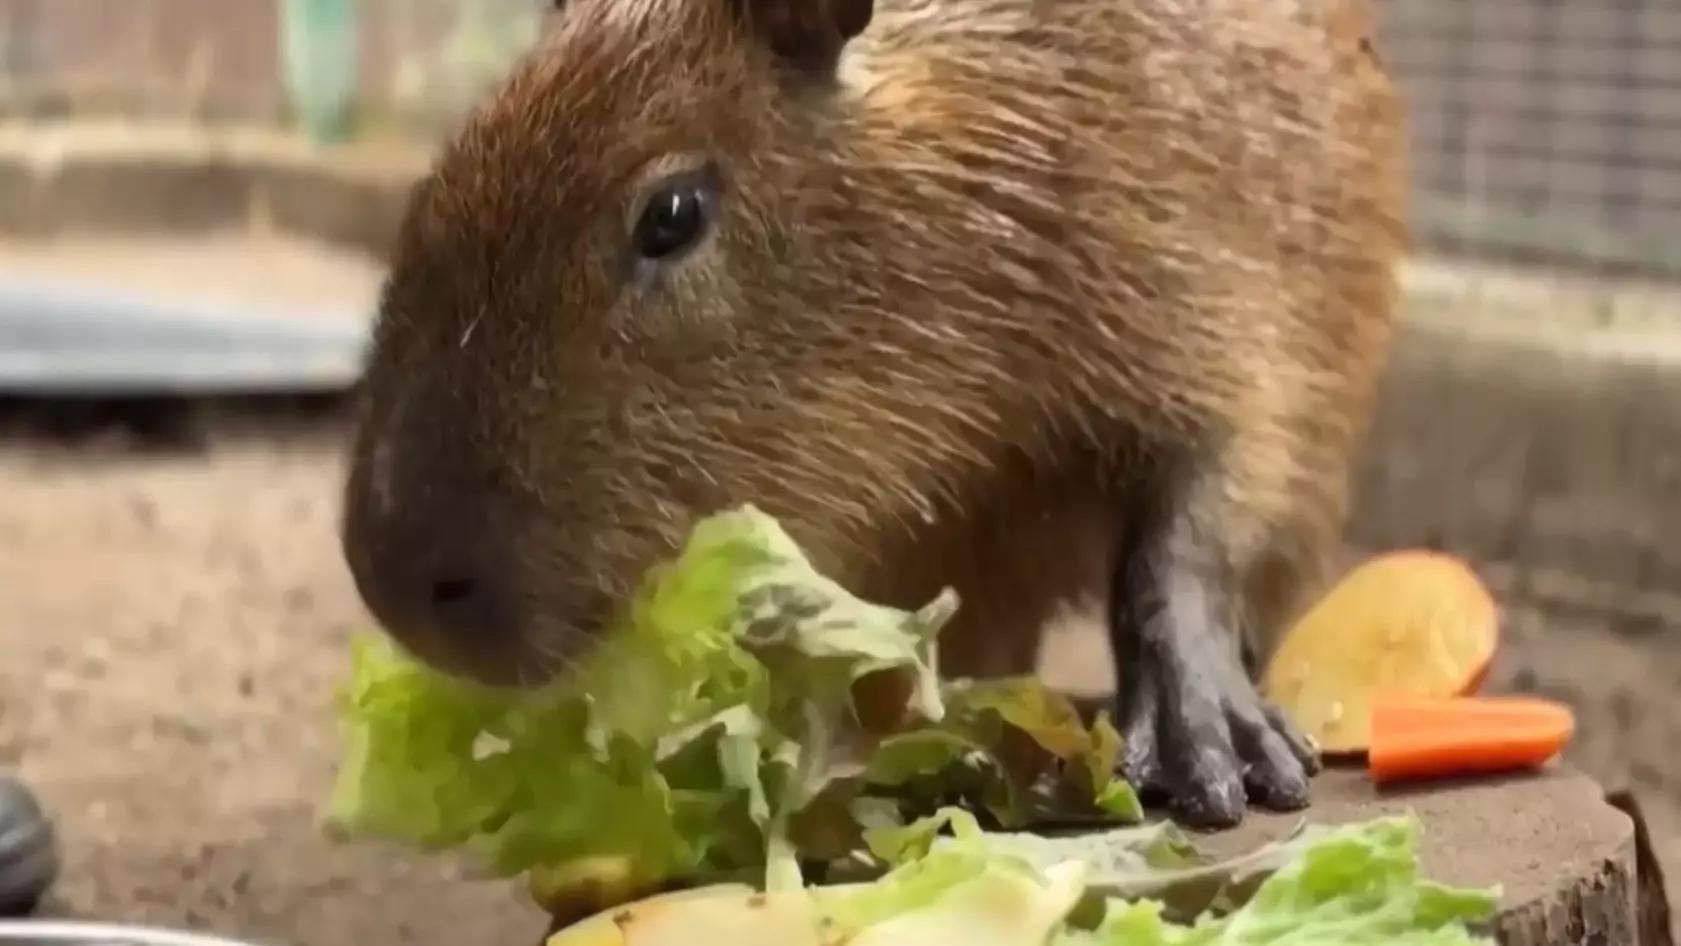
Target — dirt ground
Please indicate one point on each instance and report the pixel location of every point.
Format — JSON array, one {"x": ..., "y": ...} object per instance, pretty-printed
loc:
[{"x": 172, "y": 628}]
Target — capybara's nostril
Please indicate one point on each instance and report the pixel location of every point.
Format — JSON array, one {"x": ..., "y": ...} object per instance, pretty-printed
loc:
[
  {"x": 448, "y": 592},
  {"x": 437, "y": 569},
  {"x": 474, "y": 607}
]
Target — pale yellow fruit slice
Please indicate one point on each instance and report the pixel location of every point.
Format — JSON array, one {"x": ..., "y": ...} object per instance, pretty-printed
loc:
[
  {"x": 999, "y": 908},
  {"x": 608, "y": 928},
  {"x": 1406, "y": 623}
]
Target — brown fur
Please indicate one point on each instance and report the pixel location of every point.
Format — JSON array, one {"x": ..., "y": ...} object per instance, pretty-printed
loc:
[{"x": 1020, "y": 255}]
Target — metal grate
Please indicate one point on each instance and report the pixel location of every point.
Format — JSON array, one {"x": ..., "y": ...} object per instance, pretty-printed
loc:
[{"x": 1545, "y": 131}]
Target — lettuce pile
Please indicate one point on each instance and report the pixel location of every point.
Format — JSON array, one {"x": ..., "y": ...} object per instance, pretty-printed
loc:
[
  {"x": 751, "y": 721},
  {"x": 1356, "y": 885},
  {"x": 749, "y": 715}
]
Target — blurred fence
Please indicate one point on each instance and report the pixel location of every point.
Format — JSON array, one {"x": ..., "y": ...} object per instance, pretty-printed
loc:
[
  {"x": 419, "y": 61},
  {"x": 1544, "y": 131}
]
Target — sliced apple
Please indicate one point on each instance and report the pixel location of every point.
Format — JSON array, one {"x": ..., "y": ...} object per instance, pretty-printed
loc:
[
  {"x": 1409, "y": 623},
  {"x": 608, "y": 928},
  {"x": 995, "y": 908},
  {"x": 752, "y": 919}
]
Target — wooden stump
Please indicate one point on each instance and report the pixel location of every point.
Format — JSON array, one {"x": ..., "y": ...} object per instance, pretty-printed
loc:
[{"x": 1563, "y": 857}]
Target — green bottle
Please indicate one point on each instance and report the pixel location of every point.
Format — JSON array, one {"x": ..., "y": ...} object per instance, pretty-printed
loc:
[{"x": 319, "y": 42}]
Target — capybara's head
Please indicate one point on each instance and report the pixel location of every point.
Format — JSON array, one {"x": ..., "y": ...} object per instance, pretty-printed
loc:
[{"x": 637, "y": 288}]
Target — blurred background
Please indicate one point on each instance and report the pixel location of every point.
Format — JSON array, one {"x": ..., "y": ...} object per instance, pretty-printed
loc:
[{"x": 195, "y": 201}]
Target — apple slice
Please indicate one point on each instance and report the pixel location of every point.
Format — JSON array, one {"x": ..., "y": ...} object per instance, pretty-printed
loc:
[
  {"x": 610, "y": 927},
  {"x": 1409, "y": 623}
]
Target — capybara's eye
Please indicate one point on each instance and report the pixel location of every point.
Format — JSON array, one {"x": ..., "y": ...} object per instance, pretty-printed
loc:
[{"x": 676, "y": 216}]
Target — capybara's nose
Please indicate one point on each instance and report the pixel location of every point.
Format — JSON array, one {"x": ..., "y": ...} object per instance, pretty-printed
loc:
[{"x": 432, "y": 555}]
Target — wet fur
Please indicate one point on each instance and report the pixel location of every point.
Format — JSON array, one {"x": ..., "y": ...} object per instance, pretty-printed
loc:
[{"x": 1022, "y": 258}]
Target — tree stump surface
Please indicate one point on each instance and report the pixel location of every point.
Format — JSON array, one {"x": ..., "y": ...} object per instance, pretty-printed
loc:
[
  {"x": 1657, "y": 927},
  {"x": 1563, "y": 857}
]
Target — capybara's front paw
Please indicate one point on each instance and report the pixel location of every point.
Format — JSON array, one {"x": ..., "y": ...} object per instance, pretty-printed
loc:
[{"x": 1199, "y": 737}]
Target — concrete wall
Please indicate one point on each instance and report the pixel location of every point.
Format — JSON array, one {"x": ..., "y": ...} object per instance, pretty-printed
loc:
[{"x": 1543, "y": 130}]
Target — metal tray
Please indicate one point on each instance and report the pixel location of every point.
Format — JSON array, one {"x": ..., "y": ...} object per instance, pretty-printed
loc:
[
  {"x": 81, "y": 933},
  {"x": 64, "y": 339}
]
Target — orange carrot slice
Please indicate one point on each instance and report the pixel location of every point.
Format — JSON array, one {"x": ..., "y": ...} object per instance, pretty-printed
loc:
[
  {"x": 1406, "y": 623},
  {"x": 1423, "y": 738}
]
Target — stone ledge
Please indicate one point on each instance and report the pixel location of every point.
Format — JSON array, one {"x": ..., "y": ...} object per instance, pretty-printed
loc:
[
  {"x": 150, "y": 178},
  {"x": 1552, "y": 452}
]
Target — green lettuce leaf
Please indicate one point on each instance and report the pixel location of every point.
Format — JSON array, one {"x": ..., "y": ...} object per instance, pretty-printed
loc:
[
  {"x": 1348, "y": 886},
  {"x": 747, "y": 716},
  {"x": 1016, "y": 750}
]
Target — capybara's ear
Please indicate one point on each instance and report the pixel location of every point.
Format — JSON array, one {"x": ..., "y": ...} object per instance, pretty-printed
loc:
[{"x": 807, "y": 34}]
